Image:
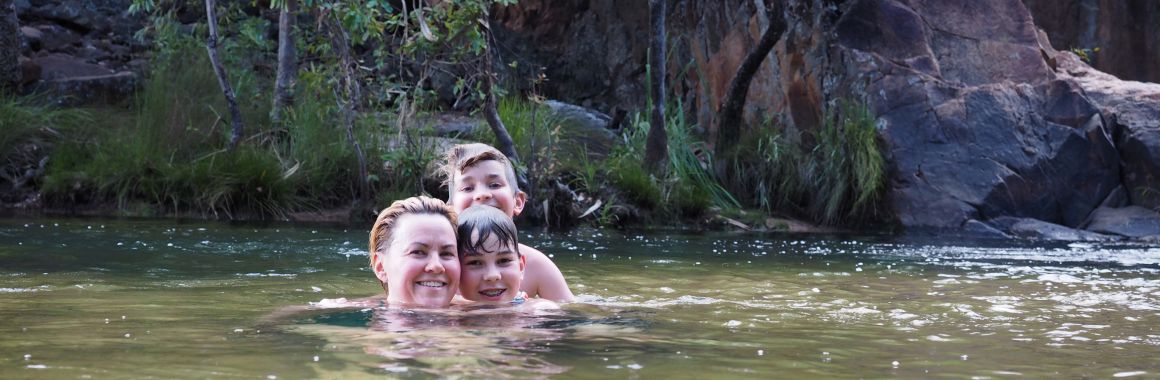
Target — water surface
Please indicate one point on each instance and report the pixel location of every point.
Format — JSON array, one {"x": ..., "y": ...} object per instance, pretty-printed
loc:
[{"x": 138, "y": 299}]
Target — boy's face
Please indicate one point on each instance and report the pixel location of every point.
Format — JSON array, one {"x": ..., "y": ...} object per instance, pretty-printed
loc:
[
  {"x": 493, "y": 275},
  {"x": 486, "y": 183},
  {"x": 421, "y": 264}
]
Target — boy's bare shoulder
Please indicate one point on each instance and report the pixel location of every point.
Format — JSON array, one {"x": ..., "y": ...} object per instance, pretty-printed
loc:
[{"x": 543, "y": 278}]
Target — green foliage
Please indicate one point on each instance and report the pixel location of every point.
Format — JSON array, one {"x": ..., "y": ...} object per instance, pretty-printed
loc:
[
  {"x": 630, "y": 177},
  {"x": 315, "y": 141},
  {"x": 406, "y": 164},
  {"x": 585, "y": 172},
  {"x": 838, "y": 182},
  {"x": 849, "y": 174},
  {"x": 688, "y": 190},
  {"x": 245, "y": 180},
  {"x": 27, "y": 130},
  {"x": 1085, "y": 54},
  {"x": 22, "y": 121},
  {"x": 537, "y": 133},
  {"x": 170, "y": 153},
  {"x": 765, "y": 171}
]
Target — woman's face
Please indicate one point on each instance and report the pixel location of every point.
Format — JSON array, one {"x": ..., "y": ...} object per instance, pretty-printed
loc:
[{"x": 422, "y": 264}]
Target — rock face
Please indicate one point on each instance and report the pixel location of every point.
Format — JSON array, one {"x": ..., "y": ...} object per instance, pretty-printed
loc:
[
  {"x": 79, "y": 51},
  {"x": 980, "y": 117},
  {"x": 1133, "y": 111},
  {"x": 975, "y": 121},
  {"x": 1127, "y": 32}
]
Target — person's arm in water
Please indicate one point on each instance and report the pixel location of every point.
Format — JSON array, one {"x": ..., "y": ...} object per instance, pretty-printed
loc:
[{"x": 542, "y": 278}]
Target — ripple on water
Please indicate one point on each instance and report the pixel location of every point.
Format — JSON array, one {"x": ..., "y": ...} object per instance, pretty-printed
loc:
[
  {"x": 18, "y": 290},
  {"x": 1130, "y": 373}
]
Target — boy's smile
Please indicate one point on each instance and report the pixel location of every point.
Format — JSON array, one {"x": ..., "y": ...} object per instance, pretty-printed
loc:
[
  {"x": 484, "y": 183},
  {"x": 493, "y": 275}
]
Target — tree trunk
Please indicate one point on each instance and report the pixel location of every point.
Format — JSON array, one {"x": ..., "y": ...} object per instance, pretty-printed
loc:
[
  {"x": 656, "y": 152},
  {"x": 491, "y": 113},
  {"x": 349, "y": 94},
  {"x": 287, "y": 64},
  {"x": 729, "y": 112},
  {"x": 9, "y": 46},
  {"x": 223, "y": 79}
]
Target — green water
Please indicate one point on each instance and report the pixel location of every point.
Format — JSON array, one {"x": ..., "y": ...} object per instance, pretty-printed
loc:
[{"x": 116, "y": 299}]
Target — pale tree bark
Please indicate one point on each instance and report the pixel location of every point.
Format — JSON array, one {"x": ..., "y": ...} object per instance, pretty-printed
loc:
[
  {"x": 656, "y": 152},
  {"x": 9, "y": 46},
  {"x": 223, "y": 79},
  {"x": 348, "y": 92},
  {"x": 287, "y": 64},
  {"x": 730, "y": 110},
  {"x": 491, "y": 114}
]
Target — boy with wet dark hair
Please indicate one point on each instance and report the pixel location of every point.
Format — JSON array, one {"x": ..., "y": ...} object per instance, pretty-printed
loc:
[{"x": 478, "y": 174}]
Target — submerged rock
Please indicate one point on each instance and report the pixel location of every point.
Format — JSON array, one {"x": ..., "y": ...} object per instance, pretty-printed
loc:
[
  {"x": 1040, "y": 230},
  {"x": 1131, "y": 221}
]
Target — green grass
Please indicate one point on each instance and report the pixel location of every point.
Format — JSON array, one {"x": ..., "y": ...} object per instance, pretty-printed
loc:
[
  {"x": 170, "y": 150},
  {"x": 839, "y": 181},
  {"x": 26, "y": 127}
]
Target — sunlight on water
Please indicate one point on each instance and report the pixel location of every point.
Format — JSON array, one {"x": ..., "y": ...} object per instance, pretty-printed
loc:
[{"x": 117, "y": 299}]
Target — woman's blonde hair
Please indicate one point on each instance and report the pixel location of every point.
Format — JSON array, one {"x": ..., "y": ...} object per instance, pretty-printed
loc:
[{"x": 381, "y": 232}]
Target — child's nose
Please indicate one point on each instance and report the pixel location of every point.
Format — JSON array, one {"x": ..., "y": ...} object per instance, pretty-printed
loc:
[
  {"x": 491, "y": 275},
  {"x": 482, "y": 196}
]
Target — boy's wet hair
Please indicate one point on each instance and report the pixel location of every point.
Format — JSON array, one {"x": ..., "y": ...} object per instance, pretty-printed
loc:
[
  {"x": 484, "y": 222},
  {"x": 381, "y": 232},
  {"x": 463, "y": 156}
]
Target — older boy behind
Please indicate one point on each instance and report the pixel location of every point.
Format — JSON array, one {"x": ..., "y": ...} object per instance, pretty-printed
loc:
[{"x": 478, "y": 174}]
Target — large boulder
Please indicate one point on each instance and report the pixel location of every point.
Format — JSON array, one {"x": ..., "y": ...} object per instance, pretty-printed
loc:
[
  {"x": 975, "y": 122},
  {"x": 1133, "y": 112},
  {"x": 80, "y": 52},
  {"x": 73, "y": 82}
]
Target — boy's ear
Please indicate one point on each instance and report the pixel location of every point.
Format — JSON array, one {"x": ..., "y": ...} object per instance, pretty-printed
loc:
[
  {"x": 378, "y": 267},
  {"x": 521, "y": 198},
  {"x": 523, "y": 262}
]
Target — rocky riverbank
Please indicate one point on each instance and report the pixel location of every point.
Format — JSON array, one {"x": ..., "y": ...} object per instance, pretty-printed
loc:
[{"x": 989, "y": 127}]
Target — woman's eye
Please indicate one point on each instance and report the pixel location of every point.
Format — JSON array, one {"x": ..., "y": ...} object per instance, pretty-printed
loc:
[
  {"x": 466, "y": 189},
  {"x": 448, "y": 255},
  {"x": 417, "y": 253},
  {"x": 495, "y": 185}
]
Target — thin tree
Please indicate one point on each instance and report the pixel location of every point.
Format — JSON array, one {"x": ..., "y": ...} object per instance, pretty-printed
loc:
[
  {"x": 9, "y": 45},
  {"x": 287, "y": 63},
  {"x": 656, "y": 150},
  {"x": 348, "y": 92},
  {"x": 223, "y": 79},
  {"x": 730, "y": 110},
  {"x": 491, "y": 110}
]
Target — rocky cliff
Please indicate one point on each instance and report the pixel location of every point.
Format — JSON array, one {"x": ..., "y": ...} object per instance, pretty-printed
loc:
[
  {"x": 83, "y": 52},
  {"x": 986, "y": 127}
]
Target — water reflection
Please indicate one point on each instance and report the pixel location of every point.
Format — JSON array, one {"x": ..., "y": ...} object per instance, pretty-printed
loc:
[
  {"x": 652, "y": 305},
  {"x": 478, "y": 342}
]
